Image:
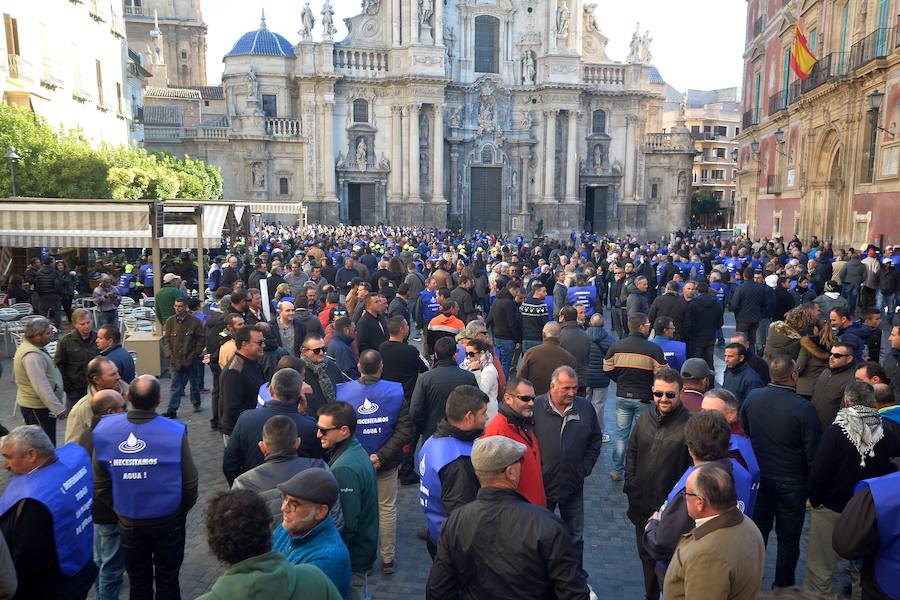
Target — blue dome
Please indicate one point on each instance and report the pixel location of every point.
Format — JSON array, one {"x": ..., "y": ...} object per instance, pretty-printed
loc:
[{"x": 262, "y": 42}]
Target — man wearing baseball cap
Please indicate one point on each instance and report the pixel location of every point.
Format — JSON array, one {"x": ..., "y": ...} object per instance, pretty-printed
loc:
[
  {"x": 697, "y": 379},
  {"x": 538, "y": 559},
  {"x": 307, "y": 534},
  {"x": 164, "y": 301}
]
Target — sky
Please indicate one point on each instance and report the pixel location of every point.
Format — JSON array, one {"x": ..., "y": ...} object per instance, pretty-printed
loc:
[{"x": 696, "y": 48}]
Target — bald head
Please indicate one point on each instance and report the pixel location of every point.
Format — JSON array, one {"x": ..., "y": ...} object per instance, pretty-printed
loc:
[
  {"x": 551, "y": 330},
  {"x": 107, "y": 402},
  {"x": 884, "y": 395},
  {"x": 143, "y": 393}
]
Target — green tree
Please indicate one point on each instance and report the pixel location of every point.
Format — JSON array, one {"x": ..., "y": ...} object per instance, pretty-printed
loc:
[{"x": 704, "y": 203}]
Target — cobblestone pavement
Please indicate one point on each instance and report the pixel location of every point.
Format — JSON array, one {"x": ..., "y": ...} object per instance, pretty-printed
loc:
[{"x": 609, "y": 553}]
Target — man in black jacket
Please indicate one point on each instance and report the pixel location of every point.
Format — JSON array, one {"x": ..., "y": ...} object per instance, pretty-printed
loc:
[
  {"x": 505, "y": 321},
  {"x": 657, "y": 456},
  {"x": 704, "y": 319},
  {"x": 429, "y": 398},
  {"x": 371, "y": 329},
  {"x": 243, "y": 453},
  {"x": 241, "y": 378},
  {"x": 48, "y": 286},
  {"x": 673, "y": 305},
  {"x": 631, "y": 363},
  {"x": 784, "y": 430},
  {"x": 751, "y": 304},
  {"x": 569, "y": 436},
  {"x": 535, "y": 315},
  {"x": 538, "y": 561}
]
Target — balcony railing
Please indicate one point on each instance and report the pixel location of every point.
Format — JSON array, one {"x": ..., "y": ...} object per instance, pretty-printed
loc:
[
  {"x": 877, "y": 44},
  {"x": 613, "y": 75},
  {"x": 773, "y": 184},
  {"x": 20, "y": 68},
  {"x": 827, "y": 69},
  {"x": 777, "y": 102},
  {"x": 134, "y": 10},
  {"x": 163, "y": 134},
  {"x": 759, "y": 25},
  {"x": 213, "y": 133},
  {"x": 361, "y": 61},
  {"x": 750, "y": 119},
  {"x": 794, "y": 91},
  {"x": 51, "y": 74},
  {"x": 283, "y": 127}
]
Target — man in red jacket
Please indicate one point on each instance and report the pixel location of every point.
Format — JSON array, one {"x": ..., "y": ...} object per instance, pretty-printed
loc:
[{"x": 515, "y": 420}]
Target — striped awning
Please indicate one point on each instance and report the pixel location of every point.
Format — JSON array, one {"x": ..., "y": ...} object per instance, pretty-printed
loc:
[
  {"x": 278, "y": 208},
  {"x": 37, "y": 224},
  {"x": 185, "y": 235}
]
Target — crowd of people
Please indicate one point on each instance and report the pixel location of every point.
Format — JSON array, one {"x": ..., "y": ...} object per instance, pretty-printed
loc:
[{"x": 348, "y": 361}]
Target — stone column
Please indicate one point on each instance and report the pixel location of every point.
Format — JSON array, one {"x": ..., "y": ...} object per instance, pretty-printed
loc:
[
  {"x": 396, "y": 155},
  {"x": 328, "y": 150},
  {"x": 454, "y": 190},
  {"x": 414, "y": 22},
  {"x": 630, "y": 157},
  {"x": 551, "y": 23},
  {"x": 572, "y": 159},
  {"x": 524, "y": 181},
  {"x": 550, "y": 156},
  {"x": 438, "y": 30},
  {"x": 395, "y": 14},
  {"x": 539, "y": 156},
  {"x": 413, "y": 161},
  {"x": 437, "y": 152},
  {"x": 404, "y": 152}
]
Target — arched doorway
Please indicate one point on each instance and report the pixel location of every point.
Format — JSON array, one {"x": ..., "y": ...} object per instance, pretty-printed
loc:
[{"x": 833, "y": 197}]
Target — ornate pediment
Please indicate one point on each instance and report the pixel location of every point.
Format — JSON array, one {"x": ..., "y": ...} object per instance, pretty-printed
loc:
[{"x": 786, "y": 23}]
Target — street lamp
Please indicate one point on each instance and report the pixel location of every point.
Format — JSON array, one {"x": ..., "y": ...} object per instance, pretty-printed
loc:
[
  {"x": 734, "y": 155},
  {"x": 754, "y": 146},
  {"x": 779, "y": 135},
  {"x": 875, "y": 100},
  {"x": 12, "y": 158}
]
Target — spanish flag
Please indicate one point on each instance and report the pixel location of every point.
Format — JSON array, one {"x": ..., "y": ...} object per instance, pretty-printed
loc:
[{"x": 802, "y": 60}]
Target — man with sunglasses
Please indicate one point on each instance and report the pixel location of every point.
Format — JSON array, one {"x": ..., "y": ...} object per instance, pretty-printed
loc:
[
  {"x": 829, "y": 390},
  {"x": 657, "y": 456},
  {"x": 241, "y": 378},
  {"x": 317, "y": 374},
  {"x": 515, "y": 420}
]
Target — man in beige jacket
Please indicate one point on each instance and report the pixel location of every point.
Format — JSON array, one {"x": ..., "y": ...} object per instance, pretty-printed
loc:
[
  {"x": 723, "y": 557},
  {"x": 102, "y": 374}
]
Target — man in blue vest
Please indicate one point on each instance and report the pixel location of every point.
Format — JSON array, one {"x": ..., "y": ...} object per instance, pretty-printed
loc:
[
  {"x": 869, "y": 528},
  {"x": 707, "y": 436},
  {"x": 127, "y": 282},
  {"x": 674, "y": 351},
  {"x": 584, "y": 294},
  {"x": 145, "y": 274},
  {"x": 384, "y": 426},
  {"x": 144, "y": 471},
  {"x": 445, "y": 463},
  {"x": 48, "y": 530},
  {"x": 740, "y": 448}
]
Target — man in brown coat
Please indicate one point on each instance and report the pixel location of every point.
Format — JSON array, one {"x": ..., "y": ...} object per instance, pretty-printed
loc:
[
  {"x": 183, "y": 342},
  {"x": 724, "y": 555},
  {"x": 539, "y": 362}
]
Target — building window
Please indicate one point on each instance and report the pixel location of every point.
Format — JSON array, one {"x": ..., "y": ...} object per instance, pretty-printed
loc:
[
  {"x": 654, "y": 190},
  {"x": 811, "y": 40},
  {"x": 360, "y": 111},
  {"x": 598, "y": 121},
  {"x": 99, "y": 83},
  {"x": 119, "y": 97},
  {"x": 269, "y": 105},
  {"x": 718, "y": 174},
  {"x": 183, "y": 55},
  {"x": 695, "y": 129},
  {"x": 721, "y": 130},
  {"x": 12, "y": 35},
  {"x": 737, "y": 131},
  {"x": 283, "y": 186},
  {"x": 206, "y": 103},
  {"x": 720, "y": 152},
  {"x": 487, "y": 44}
]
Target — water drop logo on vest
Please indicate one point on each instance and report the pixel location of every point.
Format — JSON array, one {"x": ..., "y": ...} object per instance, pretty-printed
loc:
[
  {"x": 367, "y": 407},
  {"x": 132, "y": 445}
]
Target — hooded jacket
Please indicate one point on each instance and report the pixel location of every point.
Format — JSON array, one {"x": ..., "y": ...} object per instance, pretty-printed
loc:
[
  {"x": 601, "y": 340},
  {"x": 741, "y": 380},
  {"x": 270, "y": 575},
  {"x": 811, "y": 361},
  {"x": 704, "y": 319},
  {"x": 636, "y": 302},
  {"x": 782, "y": 339},
  {"x": 829, "y": 392},
  {"x": 674, "y": 306},
  {"x": 504, "y": 318}
]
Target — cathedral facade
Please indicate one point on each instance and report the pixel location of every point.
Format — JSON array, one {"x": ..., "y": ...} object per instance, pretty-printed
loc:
[{"x": 505, "y": 115}]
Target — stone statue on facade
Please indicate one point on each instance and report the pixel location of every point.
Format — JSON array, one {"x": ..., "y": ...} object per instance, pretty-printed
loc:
[
  {"x": 486, "y": 120},
  {"x": 598, "y": 158},
  {"x": 426, "y": 11},
  {"x": 590, "y": 19},
  {"x": 646, "y": 56},
  {"x": 362, "y": 153},
  {"x": 682, "y": 183},
  {"x": 257, "y": 175},
  {"x": 339, "y": 162},
  {"x": 328, "y": 28},
  {"x": 562, "y": 20},
  {"x": 456, "y": 117},
  {"x": 252, "y": 85},
  {"x": 309, "y": 21},
  {"x": 529, "y": 67},
  {"x": 370, "y": 7},
  {"x": 634, "y": 47},
  {"x": 424, "y": 130},
  {"x": 384, "y": 163},
  {"x": 525, "y": 123}
]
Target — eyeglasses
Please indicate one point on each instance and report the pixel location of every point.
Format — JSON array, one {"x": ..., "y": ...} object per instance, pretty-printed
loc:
[
  {"x": 687, "y": 493},
  {"x": 669, "y": 395},
  {"x": 325, "y": 430},
  {"x": 315, "y": 350},
  {"x": 471, "y": 354},
  {"x": 523, "y": 398},
  {"x": 839, "y": 355}
]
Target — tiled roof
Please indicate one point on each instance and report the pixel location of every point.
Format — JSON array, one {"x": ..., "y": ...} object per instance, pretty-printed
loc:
[
  {"x": 262, "y": 42},
  {"x": 208, "y": 92},
  {"x": 170, "y": 92},
  {"x": 169, "y": 116},
  {"x": 655, "y": 76}
]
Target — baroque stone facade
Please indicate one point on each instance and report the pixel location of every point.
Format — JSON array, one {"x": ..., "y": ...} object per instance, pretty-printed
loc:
[{"x": 481, "y": 114}]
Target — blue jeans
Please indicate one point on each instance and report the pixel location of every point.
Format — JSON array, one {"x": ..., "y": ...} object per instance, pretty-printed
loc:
[
  {"x": 180, "y": 378},
  {"x": 627, "y": 412},
  {"x": 850, "y": 292},
  {"x": 109, "y": 559},
  {"x": 107, "y": 317},
  {"x": 762, "y": 335},
  {"x": 889, "y": 301},
  {"x": 784, "y": 503},
  {"x": 506, "y": 348},
  {"x": 572, "y": 513}
]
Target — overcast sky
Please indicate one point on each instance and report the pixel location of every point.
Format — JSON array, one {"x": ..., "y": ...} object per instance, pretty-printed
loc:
[{"x": 697, "y": 44}]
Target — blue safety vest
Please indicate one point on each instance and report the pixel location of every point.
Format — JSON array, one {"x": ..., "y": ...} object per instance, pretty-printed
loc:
[
  {"x": 741, "y": 445},
  {"x": 743, "y": 485},
  {"x": 586, "y": 296},
  {"x": 436, "y": 454},
  {"x": 126, "y": 283},
  {"x": 146, "y": 272},
  {"x": 66, "y": 489},
  {"x": 377, "y": 409},
  {"x": 214, "y": 277},
  {"x": 886, "y": 497},
  {"x": 430, "y": 306},
  {"x": 720, "y": 289},
  {"x": 264, "y": 396},
  {"x": 674, "y": 351},
  {"x": 144, "y": 463}
]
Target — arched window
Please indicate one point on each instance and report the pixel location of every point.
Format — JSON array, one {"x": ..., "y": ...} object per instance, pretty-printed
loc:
[
  {"x": 487, "y": 44},
  {"x": 598, "y": 121},
  {"x": 360, "y": 111}
]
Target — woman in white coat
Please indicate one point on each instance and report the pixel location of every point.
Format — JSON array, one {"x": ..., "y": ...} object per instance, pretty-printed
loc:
[{"x": 479, "y": 360}]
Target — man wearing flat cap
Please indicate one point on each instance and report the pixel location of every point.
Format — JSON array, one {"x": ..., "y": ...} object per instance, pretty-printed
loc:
[
  {"x": 538, "y": 560},
  {"x": 307, "y": 533}
]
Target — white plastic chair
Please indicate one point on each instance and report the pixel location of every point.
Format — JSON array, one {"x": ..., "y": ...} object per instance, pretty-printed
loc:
[{"x": 23, "y": 309}]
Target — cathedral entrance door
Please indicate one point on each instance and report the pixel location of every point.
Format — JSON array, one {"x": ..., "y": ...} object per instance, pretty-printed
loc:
[
  {"x": 485, "y": 199},
  {"x": 595, "y": 209},
  {"x": 361, "y": 203}
]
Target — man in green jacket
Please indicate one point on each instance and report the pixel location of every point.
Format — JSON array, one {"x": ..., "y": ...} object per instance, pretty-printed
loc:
[
  {"x": 351, "y": 466},
  {"x": 164, "y": 301},
  {"x": 253, "y": 569}
]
